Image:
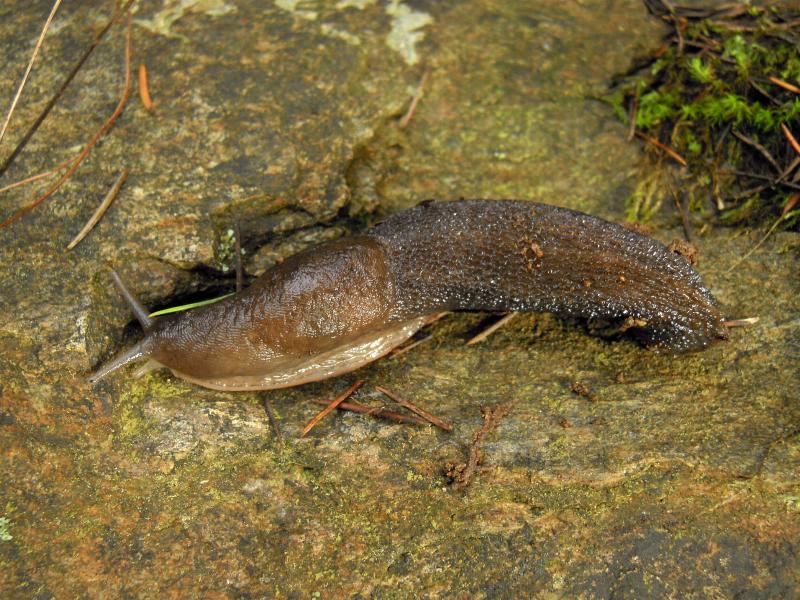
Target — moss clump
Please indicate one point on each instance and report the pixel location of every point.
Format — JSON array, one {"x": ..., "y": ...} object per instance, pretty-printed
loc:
[
  {"x": 5, "y": 524},
  {"x": 721, "y": 93}
]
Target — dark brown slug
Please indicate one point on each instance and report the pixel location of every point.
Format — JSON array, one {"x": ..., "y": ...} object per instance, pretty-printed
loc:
[{"x": 337, "y": 306}]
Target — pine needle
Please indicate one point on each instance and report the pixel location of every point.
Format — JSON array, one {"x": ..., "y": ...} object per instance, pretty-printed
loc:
[
  {"x": 92, "y": 142},
  {"x": 331, "y": 406},
  {"x": 101, "y": 210},
  {"x": 33, "y": 178},
  {"x": 56, "y": 4},
  {"x": 60, "y": 92}
]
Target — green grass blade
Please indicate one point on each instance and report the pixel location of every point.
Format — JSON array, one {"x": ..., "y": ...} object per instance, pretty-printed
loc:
[{"x": 183, "y": 307}]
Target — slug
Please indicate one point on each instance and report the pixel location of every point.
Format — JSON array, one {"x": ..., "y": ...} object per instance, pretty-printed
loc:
[{"x": 340, "y": 305}]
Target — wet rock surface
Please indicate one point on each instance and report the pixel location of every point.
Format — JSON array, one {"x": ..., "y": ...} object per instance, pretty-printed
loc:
[{"x": 673, "y": 476}]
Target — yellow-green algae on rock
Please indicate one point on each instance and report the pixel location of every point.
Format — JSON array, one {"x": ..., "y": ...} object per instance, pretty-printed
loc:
[{"x": 680, "y": 479}]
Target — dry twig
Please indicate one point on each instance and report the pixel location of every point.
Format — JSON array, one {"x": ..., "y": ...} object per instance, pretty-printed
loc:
[
  {"x": 377, "y": 412},
  {"x": 273, "y": 421},
  {"x": 785, "y": 85},
  {"x": 461, "y": 475},
  {"x": 100, "y": 132},
  {"x": 741, "y": 322},
  {"x": 331, "y": 405},
  {"x": 790, "y": 205},
  {"x": 101, "y": 210},
  {"x": 780, "y": 181},
  {"x": 786, "y": 209},
  {"x": 790, "y": 138},
  {"x": 412, "y": 107},
  {"x": 788, "y": 170},
  {"x": 237, "y": 232},
  {"x": 33, "y": 178},
  {"x": 95, "y": 138},
  {"x": 683, "y": 209},
  {"x": 49, "y": 20},
  {"x": 677, "y": 157},
  {"x": 400, "y": 351},
  {"x": 144, "y": 88},
  {"x": 434, "y": 420},
  {"x": 52, "y": 102},
  {"x": 760, "y": 148},
  {"x": 491, "y": 329}
]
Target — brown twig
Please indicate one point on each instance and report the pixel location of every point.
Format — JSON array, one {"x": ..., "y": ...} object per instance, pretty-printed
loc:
[
  {"x": 378, "y": 412},
  {"x": 436, "y": 316},
  {"x": 764, "y": 152},
  {"x": 749, "y": 192},
  {"x": 677, "y": 157},
  {"x": 790, "y": 138},
  {"x": 785, "y": 85},
  {"x": 95, "y": 138},
  {"x": 774, "y": 26},
  {"x": 33, "y": 178},
  {"x": 415, "y": 409},
  {"x": 461, "y": 475},
  {"x": 36, "y": 48},
  {"x": 412, "y": 107},
  {"x": 760, "y": 242},
  {"x": 788, "y": 170},
  {"x": 793, "y": 201},
  {"x": 741, "y": 322},
  {"x": 331, "y": 405},
  {"x": 276, "y": 428},
  {"x": 683, "y": 209},
  {"x": 491, "y": 329},
  {"x": 707, "y": 45},
  {"x": 429, "y": 321},
  {"x": 778, "y": 181},
  {"x": 680, "y": 24},
  {"x": 144, "y": 88},
  {"x": 762, "y": 91},
  {"x": 101, "y": 210},
  {"x": 400, "y": 351},
  {"x": 60, "y": 92}
]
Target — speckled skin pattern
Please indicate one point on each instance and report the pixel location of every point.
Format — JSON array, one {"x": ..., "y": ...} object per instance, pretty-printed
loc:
[
  {"x": 505, "y": 255},
  {"x": 345, "y": 303}
]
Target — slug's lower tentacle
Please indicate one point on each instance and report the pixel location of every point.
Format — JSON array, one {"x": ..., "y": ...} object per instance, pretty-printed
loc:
[{"x": 137, "y": 351}]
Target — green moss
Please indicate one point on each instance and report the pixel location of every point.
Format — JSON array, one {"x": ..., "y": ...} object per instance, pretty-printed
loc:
[
  {"x": 700, "y": 71},
  {"x": 709, "y": 89}
]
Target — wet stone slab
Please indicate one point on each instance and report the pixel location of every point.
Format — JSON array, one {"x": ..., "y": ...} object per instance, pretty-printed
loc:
[{"x": 677, "y": 476}]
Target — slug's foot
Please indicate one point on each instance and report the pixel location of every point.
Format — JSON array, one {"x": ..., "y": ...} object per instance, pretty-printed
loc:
[{"x": 670, "y": 336}]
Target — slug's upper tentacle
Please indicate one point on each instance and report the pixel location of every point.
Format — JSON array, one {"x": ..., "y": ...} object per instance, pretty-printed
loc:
[
  {"x": 133, "y": 302},
  {"x": 140, "y": 350}
]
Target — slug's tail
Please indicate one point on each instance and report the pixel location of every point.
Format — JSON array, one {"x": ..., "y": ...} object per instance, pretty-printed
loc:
[{"x": 139, "y": 350}]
